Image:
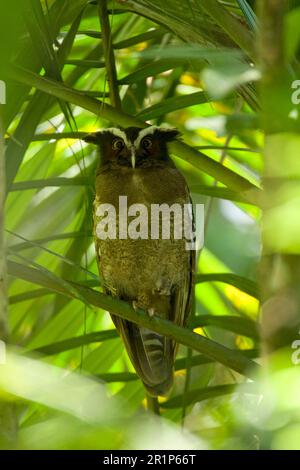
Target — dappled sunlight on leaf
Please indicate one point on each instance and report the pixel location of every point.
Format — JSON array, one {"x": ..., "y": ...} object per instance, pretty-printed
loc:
[{"x": 242, "y": 301}]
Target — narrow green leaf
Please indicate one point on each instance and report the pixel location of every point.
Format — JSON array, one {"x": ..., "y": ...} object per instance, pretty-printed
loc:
[
  {"x": 218, "y": 192},
  {"x": 60, "y": 236},
  {"x": 39, "y": 29},
  {"x": 200, "y": 359},
  {"x": 59, "y": 136},
  {"x": 57, "y": 182},
  {"x": 118, "y": 377},
  {"x": 35, "y": 109},
  {"x": 239, "y": 325},
  {"x": 234, "y": 181},
  {"x": 144, "y": 37},
  {"x": 148, "y": 70},
  {"x": 242, "y": 283},
  {"x": 43, "y": 277},
  {"x": 248, "y": 14},
  {"x": 88, "y": 64},
  {"x": 90, "y": 33},
  {"x": 229, "y": 148},
  {"x": 181, "y": 53},
  {"x": 173, "y": 104},
  {"x": 28, "y": 295},
  {"x": 195, "y": 396},
  {"x": 64, "y": 259},
  {"x": 72, "y": 343}
]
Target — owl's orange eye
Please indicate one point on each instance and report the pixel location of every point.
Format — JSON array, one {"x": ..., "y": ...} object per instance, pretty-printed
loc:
[
  {"x": 118, "y": 144},
  {"x": 146, "y": 143}
]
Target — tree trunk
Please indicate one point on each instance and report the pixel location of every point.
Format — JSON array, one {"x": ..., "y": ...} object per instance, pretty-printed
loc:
[
  {"x": 280, "y": 267},
  {"x": 8, "y": 420}
]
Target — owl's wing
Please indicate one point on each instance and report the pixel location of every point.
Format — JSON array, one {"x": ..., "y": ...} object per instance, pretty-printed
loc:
[
  {"x": 184, "y": 294},
  {"x": 134, "y": 342}
]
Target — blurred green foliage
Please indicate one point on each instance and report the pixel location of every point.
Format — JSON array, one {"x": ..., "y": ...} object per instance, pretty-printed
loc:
[{"x": 67, "y": 376}]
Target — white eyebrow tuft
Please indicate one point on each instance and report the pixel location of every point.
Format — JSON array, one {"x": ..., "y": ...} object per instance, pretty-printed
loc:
[
  {"x": 148, "y": 131},
  {"x": 118, "y": 133}
]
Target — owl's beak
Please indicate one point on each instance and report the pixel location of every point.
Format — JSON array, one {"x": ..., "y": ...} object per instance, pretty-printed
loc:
[{"x": 133, "y": 157}]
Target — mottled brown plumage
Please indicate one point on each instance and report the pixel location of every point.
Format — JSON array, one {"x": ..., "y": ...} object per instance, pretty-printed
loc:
[{"x": 155, "y": 275}]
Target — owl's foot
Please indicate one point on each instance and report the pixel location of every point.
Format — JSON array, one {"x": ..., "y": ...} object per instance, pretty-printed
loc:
[
  {"x": 151, "y": 312},
  {"x": 136, "y": 305}
]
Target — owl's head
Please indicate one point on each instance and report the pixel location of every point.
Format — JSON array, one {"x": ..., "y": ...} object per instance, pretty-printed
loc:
[{"x": 133, "y": 147}]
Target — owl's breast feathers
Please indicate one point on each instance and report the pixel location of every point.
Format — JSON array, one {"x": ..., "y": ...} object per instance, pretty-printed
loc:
[{"x": 155, "y": 274}]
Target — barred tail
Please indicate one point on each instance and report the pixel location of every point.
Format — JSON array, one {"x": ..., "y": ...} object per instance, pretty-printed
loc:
[
  {"x": 151, "y": 354},
  {"x": 156, "y": 362}
]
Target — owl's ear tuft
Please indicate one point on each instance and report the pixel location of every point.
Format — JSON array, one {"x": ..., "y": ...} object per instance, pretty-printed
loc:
[
  {"x": 168, "y": 134},
  {"x": 93, "y": 138}
]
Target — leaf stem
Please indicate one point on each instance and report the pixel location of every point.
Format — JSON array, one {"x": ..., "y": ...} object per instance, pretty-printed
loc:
[{"x": 109, "y": 55}]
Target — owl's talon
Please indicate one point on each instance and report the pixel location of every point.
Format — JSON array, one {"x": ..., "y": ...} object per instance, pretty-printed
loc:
[
  {"x": 151, "y": 312},
  {"x": 136, "y": 306}
]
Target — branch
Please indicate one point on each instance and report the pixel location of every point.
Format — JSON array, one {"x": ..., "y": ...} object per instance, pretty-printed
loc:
[{"x": 233, "y": 359}]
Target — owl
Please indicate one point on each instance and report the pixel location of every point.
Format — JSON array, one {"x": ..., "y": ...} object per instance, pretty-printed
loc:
[{"x": 152, "y": 273}]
